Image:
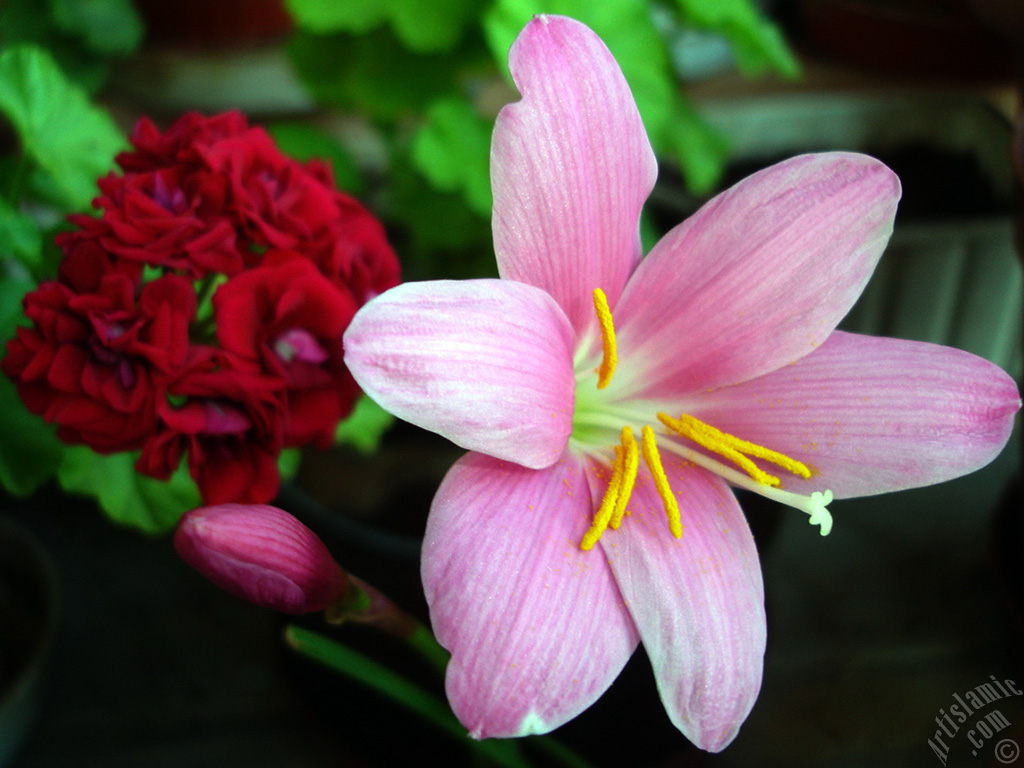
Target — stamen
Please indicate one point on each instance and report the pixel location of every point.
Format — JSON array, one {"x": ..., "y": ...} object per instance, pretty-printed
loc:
[
  {"x": 609, "y": 358},
  {"x": 632, "y": 463},
  {"x": 668, "y": 499},
  {"x": 815, "y": 505},
  {"x": 620, "y": 487},
  {"x": 733, "y": 448}
]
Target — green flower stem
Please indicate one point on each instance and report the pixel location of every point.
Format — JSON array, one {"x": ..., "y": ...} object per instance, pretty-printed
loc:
[
  {"x": 364, "y": 604},
  {"x": 209, "y": 284},
  {"x": 422, "y": 640},
  {"x": 362, "y": 669},
  {"x": 204, "y": 327}
]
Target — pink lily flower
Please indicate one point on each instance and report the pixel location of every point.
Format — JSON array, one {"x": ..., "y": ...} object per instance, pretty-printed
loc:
[{"x": 609, "y": 404}]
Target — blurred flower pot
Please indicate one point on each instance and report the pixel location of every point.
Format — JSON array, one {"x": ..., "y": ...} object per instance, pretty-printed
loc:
[
  {"x": 951, "y": 274},
  {"x": 195, "y": 23},
  {"x": 212, "y": 57},
  {"x": 28, "y": 610},
  {"x": 917, "y": 38}
]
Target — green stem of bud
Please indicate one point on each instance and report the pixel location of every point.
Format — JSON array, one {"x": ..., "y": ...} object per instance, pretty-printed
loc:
[{"x": 362, "y": 603}]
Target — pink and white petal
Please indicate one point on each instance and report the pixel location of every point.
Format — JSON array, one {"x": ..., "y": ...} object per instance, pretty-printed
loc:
[
  {"x": 485, "y": 363},
  {"x": 571, "y": 166},
  {"x": 759, "y": 276},
  {"x": 871, "y": 415},
  {"x": 536, "y": 627},
  {"x": 697, "y": 601}
]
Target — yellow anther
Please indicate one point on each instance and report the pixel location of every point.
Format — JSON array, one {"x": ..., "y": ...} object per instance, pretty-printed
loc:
[
  {"x": 609, "y": 357},
  {"x": 620, "y": 487},
  {"x": 631, "y": 462},
  {"x": 733, "y": 448},
  {"x": 653, "y": 460}
]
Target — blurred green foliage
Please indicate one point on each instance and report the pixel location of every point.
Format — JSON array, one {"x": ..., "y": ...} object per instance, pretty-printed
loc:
[
  {"x": 85, "y": 37},
  {"x": 54, "y": 144},
  {"x": 432, "y": 76},
  {"x": 69, "y": 142},
  {"x": 425, "y": 79},
  {"x": 62, "y": 144}
]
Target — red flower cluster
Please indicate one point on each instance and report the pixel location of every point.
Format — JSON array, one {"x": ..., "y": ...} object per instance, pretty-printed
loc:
[{"x": 127, "y": 350}]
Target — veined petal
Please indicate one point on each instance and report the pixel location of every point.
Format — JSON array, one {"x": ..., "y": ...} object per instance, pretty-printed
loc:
[
  {"x": 571, "y": 166},
  {"x": 697, "y": 601},
  {"x": 486, "y": 363},
  {"x": 871, "y": 415},
  {"x": 536, "y": 626},
  {"x": 759, "y": 276}
]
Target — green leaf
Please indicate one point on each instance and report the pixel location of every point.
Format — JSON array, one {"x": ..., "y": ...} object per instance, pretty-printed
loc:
[
  {"x": 288, "y": 462},
  {"x": 442, "y": 237},
  {"x": 15, "y": 282},
  {"x": 365, "y": 426},
  {"x": 432, "y": 26},
  {"x": 452, "y": 149},
  {"x": 327, "y": 16},
  {"x": 128, "y": 498},
  {"x": 373, "y": 74},
  {"x": 29, "y": 448},
  {"x": 650, "y": 234},
  {"x": 757, "y": 43},
  {"x": 421, "y": 26},
  {"x": 304, "y": 142},
  {"x": 30, "y": 451},
  {"x": 19, "y": 236},
  {"x": 107, "y": 27},
  {"x": 702, "y": 149},
  {"x": 21, "y": 21},
  {"x": 73, "y": 141}
]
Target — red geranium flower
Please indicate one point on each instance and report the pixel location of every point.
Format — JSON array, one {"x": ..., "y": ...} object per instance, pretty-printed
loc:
[
  {"x": 227, "y": 415},
  {"x": 277, "y": 202},
  {"x": 181, "y": 143},
  {"x": 289, "y": 318},
  {"x": 355, "y": 254},
  {"x": 127, "y": 349},
  {"x": 95, "y": 360},
  {"x": 169, "y": 218}
]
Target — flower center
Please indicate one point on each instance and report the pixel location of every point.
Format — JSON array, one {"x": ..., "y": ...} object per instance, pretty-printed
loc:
[
  {"x": 626, "y": 463},
  {"x": 299, "y": 344}
]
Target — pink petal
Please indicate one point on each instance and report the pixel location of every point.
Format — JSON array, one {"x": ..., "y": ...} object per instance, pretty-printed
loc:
[
  {"x": 486, "y": 363},
  {"x": 698, "y": 601},
  {"x": 570, "y": 169},
  {"x": 759, "y": 276},
  {"x": 871, "y": 415},
  {"x": 536, "y": 626}
]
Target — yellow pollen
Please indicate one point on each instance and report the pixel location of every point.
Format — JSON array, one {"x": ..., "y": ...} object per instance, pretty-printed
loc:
[
  {"x": 631, "y": 462},
  {"x": 733, "y": 448},
  {"x": 620, "y": 487},
  {"x": 653, "y": 460},
  {"x": 609, "y": 358}
]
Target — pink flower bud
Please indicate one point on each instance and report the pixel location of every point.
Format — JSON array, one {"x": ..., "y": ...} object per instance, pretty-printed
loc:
[{"x": 261, "y": 554}]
